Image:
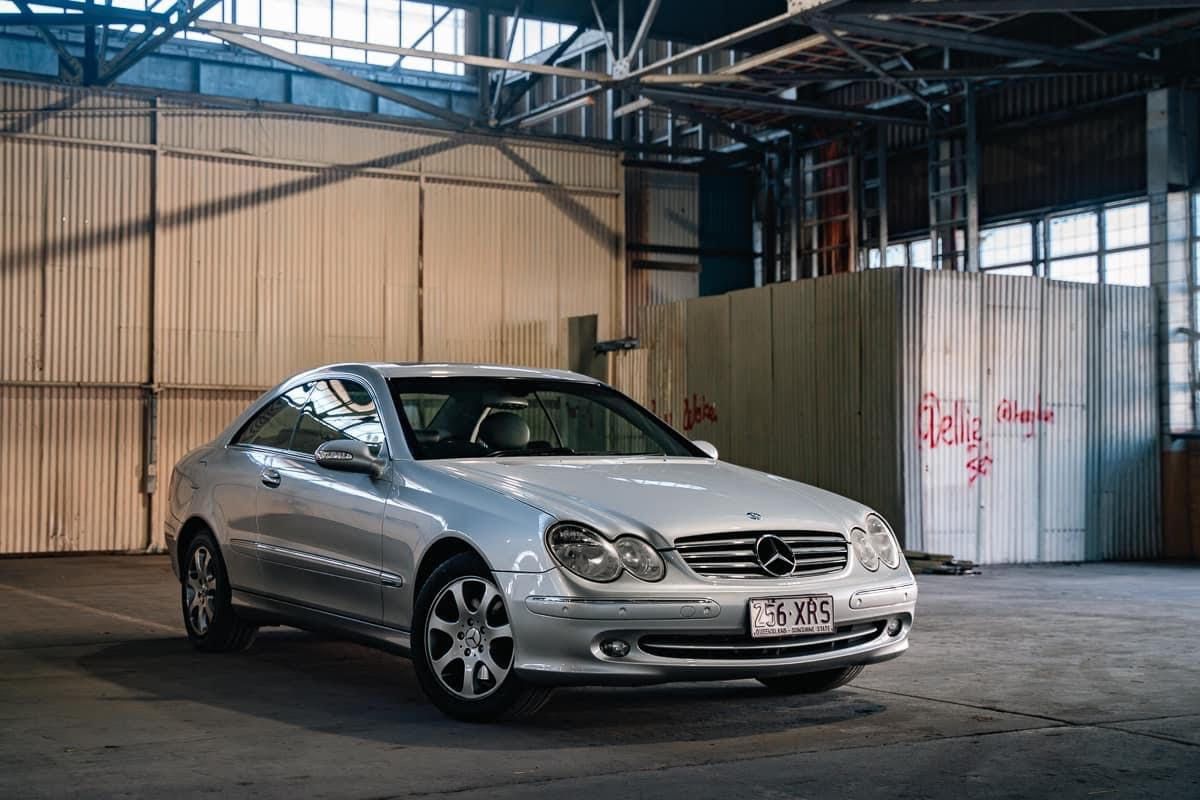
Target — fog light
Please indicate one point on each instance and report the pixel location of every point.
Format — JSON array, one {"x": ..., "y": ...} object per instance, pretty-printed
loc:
[
  {"x": 614, "y": 648},
  {"x": 894, "y": 626}
]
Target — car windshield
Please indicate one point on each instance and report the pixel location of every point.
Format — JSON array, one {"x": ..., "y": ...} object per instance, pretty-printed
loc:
[{"x": 492, "y": 417}]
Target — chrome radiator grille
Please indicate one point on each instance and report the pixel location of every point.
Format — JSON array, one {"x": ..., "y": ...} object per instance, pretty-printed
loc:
[{"x": 732, "y": 555}]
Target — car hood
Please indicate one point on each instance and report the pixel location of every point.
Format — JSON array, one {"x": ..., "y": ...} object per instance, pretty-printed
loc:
[{"x": 662, "y": 498}]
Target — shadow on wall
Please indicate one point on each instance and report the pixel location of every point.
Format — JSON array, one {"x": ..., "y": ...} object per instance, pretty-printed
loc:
[
  {"x": 33, "y": 254},
  {"x": 374, "y": 695}
]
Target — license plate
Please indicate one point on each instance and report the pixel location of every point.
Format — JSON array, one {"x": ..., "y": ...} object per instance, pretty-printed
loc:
[{"x": 791, "y": 616}]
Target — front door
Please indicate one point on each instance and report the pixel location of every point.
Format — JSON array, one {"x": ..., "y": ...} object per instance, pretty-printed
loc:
[{"x": 320, "y": 530}]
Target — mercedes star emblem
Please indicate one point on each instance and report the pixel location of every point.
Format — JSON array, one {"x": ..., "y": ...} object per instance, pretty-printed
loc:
[
  {"x": 753, "y": 515},
  {"x": 774, "y": 555}
]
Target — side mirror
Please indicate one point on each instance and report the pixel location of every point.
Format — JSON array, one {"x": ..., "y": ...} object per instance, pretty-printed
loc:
[
  {"x": 706, "y": 448},
  {"x": 347, "y": 455}
]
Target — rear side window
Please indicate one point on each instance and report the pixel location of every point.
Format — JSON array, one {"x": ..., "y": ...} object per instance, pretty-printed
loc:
[
  {"x": 338, "y": 409},
  {"x": 273, "y": 425}
]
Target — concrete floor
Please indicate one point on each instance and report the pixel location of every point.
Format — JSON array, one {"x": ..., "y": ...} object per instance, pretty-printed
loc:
[{"x": 1071, "y": 681}]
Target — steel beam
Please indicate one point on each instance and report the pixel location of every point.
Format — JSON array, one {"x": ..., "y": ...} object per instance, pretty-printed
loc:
[
  {"x": 341, "y": 76},
  {"x": 732, "y": 131},
  {"x": 913, "y": 8},
  {"x": 93, "y": 15},
  {"x": 850, "y": 50},
  {"x": 775, "y": 105},
  {"x": 621, "y": 68},
  {"x": 396, "y": 65},
  {"x": 981, "y": 43},
  {"x": 149, "y": 41},
  {"x": 69, "y": 61},
  {"x": 529, "y": 81},
  {"x": 471, "y": 60},
  {"x": 512, "y": 37}
]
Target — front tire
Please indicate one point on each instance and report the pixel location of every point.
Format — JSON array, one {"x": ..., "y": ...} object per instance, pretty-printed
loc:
[
  {"x": 212, "y": 624},
  {"x": 463, "y": 647},
  {"x": 811, "y": 682}
]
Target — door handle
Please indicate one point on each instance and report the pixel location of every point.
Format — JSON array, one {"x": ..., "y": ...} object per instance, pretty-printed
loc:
[{"x": 270, "y": 477}]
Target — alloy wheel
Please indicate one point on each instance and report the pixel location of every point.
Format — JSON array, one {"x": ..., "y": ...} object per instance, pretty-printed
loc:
[
  {"x": 468, "y": 640},
  {"x": 201, "y": 589}
]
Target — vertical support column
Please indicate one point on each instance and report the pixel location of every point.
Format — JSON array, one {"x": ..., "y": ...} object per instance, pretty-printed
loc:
[
  {"x": 881, "y": 192},
  {"x": 1169, "y": 116},
  {"x": 853, "y": 229},
  {"x": 971, "y": 164},
  {"x": 796, "y": 212}
]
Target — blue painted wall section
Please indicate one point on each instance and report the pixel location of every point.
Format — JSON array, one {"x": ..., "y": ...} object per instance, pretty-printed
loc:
[{"x": 219, "y": 71}]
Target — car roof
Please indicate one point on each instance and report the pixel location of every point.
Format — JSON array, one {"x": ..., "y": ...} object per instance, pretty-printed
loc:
[{"x": 448, "y": 370}]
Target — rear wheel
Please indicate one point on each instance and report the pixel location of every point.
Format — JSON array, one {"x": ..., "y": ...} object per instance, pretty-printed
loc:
[
  {"x": 463, "y": 648},
  {"x": 811, "y": 682},
  {"x": 212, "y": 624}
]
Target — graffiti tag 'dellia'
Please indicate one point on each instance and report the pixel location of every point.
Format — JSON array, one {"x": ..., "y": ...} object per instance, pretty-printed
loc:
[{"x": 953, "y": 424}]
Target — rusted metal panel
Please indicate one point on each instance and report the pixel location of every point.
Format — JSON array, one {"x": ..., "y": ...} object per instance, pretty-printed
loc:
[
  {"x": 663, "y": 333},
  {"x": 75, "y": 281},
  {"x": 187, "y": 418},
  {"x": 793, "y": 368},
  {"x": 74, "y": 458}
]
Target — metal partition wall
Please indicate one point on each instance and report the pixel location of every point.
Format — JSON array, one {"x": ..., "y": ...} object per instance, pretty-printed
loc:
[
  {"x": 161, "y": 265},
  {"x": 996, "y": 418}
]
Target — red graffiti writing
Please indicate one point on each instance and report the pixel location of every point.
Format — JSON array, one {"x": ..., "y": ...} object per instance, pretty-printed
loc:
[
  {"x": 1010, "y": 411},
  {"x": 947, "y": 426},
  {"x": 665, "y": 417},
  {"x": 697, "y": 411},
  {"x": 980, "y": 461},
  {"x": 953, "y": 424}
]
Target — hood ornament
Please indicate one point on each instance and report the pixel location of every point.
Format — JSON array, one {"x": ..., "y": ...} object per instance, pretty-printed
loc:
[{"x": 754, "y": 515}]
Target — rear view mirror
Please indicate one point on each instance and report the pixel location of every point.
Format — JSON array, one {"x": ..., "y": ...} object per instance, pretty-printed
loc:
[
  {"x": 347, "y": 455},
  {"x": 708, "y": 449}
]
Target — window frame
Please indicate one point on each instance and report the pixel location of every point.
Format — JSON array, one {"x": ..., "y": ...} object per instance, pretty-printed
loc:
[{"x": 385, "y": 451}]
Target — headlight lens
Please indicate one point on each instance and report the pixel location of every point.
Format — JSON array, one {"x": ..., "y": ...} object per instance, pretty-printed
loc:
[
  {"x": 584, "y": 552},
  {"x": 866, "y": 553},
  {"x": 883, "y": 540},
  {"x": 640, "y": 559}
]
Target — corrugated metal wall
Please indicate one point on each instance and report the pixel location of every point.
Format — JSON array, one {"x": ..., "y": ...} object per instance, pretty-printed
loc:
[
  {"x": 662, "y": 210},
  {"x": 162, "y": 264},
  {"x": 999, "y": 419}
]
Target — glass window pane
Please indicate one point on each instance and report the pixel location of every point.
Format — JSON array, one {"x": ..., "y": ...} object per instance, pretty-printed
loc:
[
  {"x": 279, "y": 15},
  {"x": 338, "y": 409},
  {"x": 1021, "y": 269},
  {"x": 1078, "y": 270},
  {"x": 445, "y": 40},
  {"x": 349, "y": 22},
  {"x": 272, "y": 427},
  {"x": 873, "y": 261},
  {"x": 1128, "y": 268},
  {"x": 415, "y": 21},
  {"x": 1010, "y": 244},
  {"x": 1127, "y": 226},
  {"x": 313, "y": 17},
  {"x": 896, "y": 256},
  {"x": 383, "y": 27},
  {"x": 1077, "y": 233},
  {"x": 247, "y": 13},
  {"x": 921, "y": 254}
]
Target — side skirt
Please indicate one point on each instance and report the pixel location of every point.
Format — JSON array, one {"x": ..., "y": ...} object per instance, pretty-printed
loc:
[{"x": 266, "y": 610}]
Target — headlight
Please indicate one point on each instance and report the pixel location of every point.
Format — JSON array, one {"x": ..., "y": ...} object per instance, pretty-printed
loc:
[
  {"x": 584, "y": 552},
  {"x": 883, "y": 540},
  {"x": 640, "y": 559},
  {"x": 866, "y": 553}
]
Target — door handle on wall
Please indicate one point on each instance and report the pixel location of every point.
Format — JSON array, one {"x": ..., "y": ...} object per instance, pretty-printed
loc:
[{"x": 270, "y": 477}]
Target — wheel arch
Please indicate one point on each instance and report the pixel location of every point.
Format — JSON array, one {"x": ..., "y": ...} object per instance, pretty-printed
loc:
[
  {"x": 187, "y": 532},
  {"x": 439, "y": 553}
]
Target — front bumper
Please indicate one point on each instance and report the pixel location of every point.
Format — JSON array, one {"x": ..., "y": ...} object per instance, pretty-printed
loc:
[{"x": 699, "y": 633}]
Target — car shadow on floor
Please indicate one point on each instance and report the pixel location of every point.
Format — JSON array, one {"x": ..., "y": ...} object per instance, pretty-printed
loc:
[{"x": 338, "y": 687}]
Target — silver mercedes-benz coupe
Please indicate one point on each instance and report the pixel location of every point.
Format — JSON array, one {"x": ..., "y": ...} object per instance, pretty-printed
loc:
[{"x": 512, "y": 530}]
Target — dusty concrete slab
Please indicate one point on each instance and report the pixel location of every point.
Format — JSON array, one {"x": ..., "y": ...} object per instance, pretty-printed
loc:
[{"x": 101, "y": 695}]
